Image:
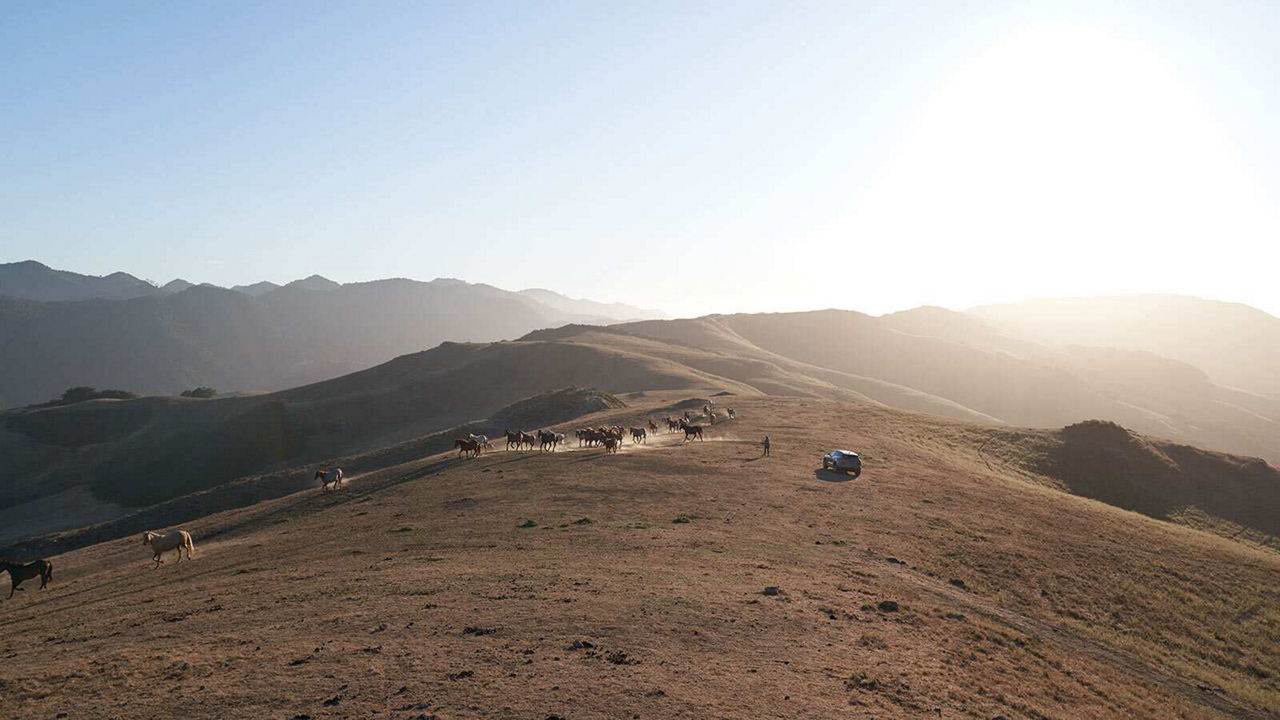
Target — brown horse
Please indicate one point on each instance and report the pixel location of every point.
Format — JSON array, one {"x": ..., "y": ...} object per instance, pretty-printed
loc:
[
  {"x": 653, "y": 427},
  {"x": 611, "y": 444},
  {"x": 17, "y": 573},
  {"x": 465, "y": 446},
  {"x": 692, "y": 431},
  {"x": 638, "y": 435}
]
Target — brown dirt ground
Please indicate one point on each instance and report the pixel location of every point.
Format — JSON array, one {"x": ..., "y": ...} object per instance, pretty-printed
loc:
[{"x": 416, "y": 592}]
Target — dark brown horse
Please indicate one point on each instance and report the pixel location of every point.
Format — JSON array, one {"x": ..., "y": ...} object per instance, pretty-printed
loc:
[
  {"x": 17, "y": 573},
  {"x": 692, "y": 431},
  {"x": 465, "y": 446},
  {"x": 653, "y": 427},
  {"x": 513, "y": 438}
]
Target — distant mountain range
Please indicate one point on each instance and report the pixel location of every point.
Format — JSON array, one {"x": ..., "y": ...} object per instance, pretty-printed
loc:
[
  {"x": 31, "y": 280},
  {"x": 63, "y": 329}
]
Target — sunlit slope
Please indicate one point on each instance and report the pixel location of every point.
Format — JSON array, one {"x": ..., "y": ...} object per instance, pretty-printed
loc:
[
  {"x": 712, "y": 343},
  {"x": 577, "y": 584},
  {"x": 1020, "y": 382}
]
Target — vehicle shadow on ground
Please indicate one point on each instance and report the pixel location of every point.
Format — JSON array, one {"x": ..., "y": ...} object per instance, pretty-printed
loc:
[{"x": 831, "y": 476}]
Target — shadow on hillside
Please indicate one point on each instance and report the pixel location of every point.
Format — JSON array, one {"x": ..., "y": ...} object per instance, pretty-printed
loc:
[{"x": 831, "y": 476}]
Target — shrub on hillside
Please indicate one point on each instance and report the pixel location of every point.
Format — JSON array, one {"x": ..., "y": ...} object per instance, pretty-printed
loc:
[
  {"x": 200, "y": 392},
  {"x": 81, "y": 393}
]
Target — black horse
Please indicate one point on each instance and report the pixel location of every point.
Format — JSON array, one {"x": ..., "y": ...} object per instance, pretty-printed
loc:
[{"x": 17, "y": 573}]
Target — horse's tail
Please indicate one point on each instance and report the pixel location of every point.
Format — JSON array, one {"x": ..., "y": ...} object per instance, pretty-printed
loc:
[
  {"x": 48, "y": 571},
  {"x": 186, "y": 541}
]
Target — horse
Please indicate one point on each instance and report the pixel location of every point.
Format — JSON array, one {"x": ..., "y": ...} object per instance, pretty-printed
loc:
[
  {"x": 329, "y": 476},
  {"x": 672, "y": 425},
  {"x": 611, "y": 444},
  {"x": 653, "y": 427},
  {"x": 638, "y": 435},
  {"x": 559, "y": 439},
  {"x": 527, "y": 439},
  {"x": 481, "y": 440},
  {"x": 467, "y": 445},
  {"x": 513, "y": 438},
  {"x": 18, "y": 572},
  {"x": 732, "y": 415},
  {"x": 692, "y": 431},
  {"x": 547, "y": 441},
  {"x": 161, "y": 544}
]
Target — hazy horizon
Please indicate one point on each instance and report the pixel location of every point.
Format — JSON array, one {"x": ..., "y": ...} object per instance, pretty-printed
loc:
[
  {"x": 712, "y": 311},
  {"x": 693, "y": 159}
]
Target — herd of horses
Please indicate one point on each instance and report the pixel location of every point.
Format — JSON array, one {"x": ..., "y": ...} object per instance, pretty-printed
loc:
[{"x": 608, "y": 437}]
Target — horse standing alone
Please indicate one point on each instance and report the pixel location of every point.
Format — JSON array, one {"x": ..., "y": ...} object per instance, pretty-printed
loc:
[
  {"x": 327, "y": 477},
  {"x": 161, "y": 544},
  {"x": 17, "y": 573}
]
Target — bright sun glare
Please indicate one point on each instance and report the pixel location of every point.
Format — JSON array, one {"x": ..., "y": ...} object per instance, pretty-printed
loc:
[{"x": 1072, "y": 150}]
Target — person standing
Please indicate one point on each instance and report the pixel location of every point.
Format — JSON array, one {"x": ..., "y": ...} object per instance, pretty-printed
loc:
[{"x": 766, "y": 446}]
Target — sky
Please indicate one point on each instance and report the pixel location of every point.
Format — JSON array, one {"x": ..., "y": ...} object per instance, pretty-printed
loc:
[{"x": 694, "y": 157}]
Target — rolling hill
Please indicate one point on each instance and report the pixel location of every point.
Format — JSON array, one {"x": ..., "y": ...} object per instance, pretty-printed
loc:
[
  {"x": 679, "y": 580},
  {"x": 92, "y": 461},
  {"x": 950, "y": 364}
]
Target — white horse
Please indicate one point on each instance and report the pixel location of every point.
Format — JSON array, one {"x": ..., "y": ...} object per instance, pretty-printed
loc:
[
  {"x": 327, "y": 477},
  {"x": 481, "y": 440},
  {"x": 161, "y": 544}
]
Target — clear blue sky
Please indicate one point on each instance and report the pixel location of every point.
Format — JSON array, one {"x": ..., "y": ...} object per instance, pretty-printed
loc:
[{"x": 695, "y": 157}]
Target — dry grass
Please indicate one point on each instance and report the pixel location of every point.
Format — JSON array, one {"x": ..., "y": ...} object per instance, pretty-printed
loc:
[{"x": 313, "y": 604}]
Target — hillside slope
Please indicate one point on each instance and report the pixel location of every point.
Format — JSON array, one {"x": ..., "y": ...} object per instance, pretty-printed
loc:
[
  {"x": 1019, "y": 382},
  {"x": 579, "y": 584},
  {"x": 137, "y": 452},
  {"x": 1237, "y": 345}
]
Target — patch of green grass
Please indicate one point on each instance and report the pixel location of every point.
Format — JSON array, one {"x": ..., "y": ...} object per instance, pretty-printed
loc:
[
  {"x": 681, "y": 519},
  {"x": 402, "y": 529},
  {"x": 528, "y": 523},
  {"x": 637, "y": 526}
]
